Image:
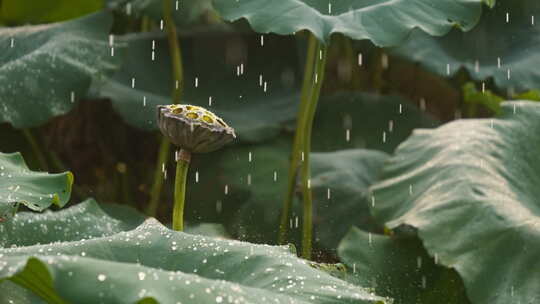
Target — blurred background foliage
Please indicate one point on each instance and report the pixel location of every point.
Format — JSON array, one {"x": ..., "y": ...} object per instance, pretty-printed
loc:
[{"x": 372, "y": 98}]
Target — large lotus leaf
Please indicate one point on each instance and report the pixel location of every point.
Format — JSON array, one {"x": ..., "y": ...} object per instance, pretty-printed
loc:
[
  {"x": 35, "y": 190},
  {"x": 399, "y": 267},
  {"x": 470, "y": 188},
  {"x": 184, "y": 12},
  {"x": 44, "y": 11},
  {"x": 83, "y": 221},
  {"x": 44, "y": 69},
  {"x": 497, "y": 47},
  {"x": 241, "y": 100},
  {"x": 154, "y": 263},
  {"x": 13, "y": 293},
  {"x": 340, "y": 182},
  {"x": 374, "y": 122},
  {"x": 385, "y": 23}
]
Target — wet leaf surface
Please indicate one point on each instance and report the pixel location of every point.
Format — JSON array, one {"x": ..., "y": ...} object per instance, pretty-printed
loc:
[
  {"x": 45, "y": 69},
  {"x": 355, "y": 19},
  {"x": 110, "y": 264},
  {"x": 35, "y": 190},
  {"x": 502, "y": 46},
  {"x": 469, "y": 187}
]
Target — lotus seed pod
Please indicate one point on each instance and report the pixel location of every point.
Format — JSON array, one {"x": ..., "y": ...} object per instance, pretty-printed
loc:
[{"x": 193, "y": 128}]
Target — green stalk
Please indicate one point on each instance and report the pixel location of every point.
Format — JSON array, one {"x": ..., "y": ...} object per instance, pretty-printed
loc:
[
  {"x": 174, "y": 50},
  {"x": 36, "y": 149},
  {"x": 155, "y": 193},
  {"x": 178, "y": 79},
  {"x": 145, "y": 24},
  {"x": 295, "y": 164},
  {"x": 182, "y": 165},
  {"x": 307, "y": 223}
]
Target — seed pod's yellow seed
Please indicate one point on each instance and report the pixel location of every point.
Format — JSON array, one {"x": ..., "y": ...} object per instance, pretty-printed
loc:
[
  {"x": 192, "y": 115},
  {"x": 207, "y": 119},
  {"x": 177, "y": 110}
]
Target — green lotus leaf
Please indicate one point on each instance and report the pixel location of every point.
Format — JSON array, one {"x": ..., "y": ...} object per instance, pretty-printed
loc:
[
  {"x": 399, "y": 267},
  {"x": 497, "y": 48},
  {"x": 14, "y": 293},
  {"x": 385, "y": 23},
  {"x": 44, "y": 11},
  {"x": 340, "y": 182},
  {"x": 470, "y": 189},
  {"x": 35, "y": 190},
  {"x": 45, "y": 69},
  {"x": 152, "y": 263},
  {"x": 241, "y": 100}
]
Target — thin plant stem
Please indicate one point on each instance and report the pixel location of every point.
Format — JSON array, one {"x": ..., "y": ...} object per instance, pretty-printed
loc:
[
  {"x": 296, "y": 155},
  {"x": 307, "y": 197},
  {"x": 145, "y": 24},
  {"x": 174, "y": 50},
  {"x": 155, "y": 192},
  {"x": 36, "y": 149},
  {"x": 178, "y": 74},
  {"x": 182, "y": 165}
]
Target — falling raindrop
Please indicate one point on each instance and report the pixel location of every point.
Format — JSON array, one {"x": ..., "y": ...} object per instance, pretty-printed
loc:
[{"x": 141, "y": 275}]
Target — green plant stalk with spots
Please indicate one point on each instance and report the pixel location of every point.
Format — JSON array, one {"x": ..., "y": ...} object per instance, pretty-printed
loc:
[
  {"x": 182, "y": 166},
  {"x": 178, "y": 80},
  {"x": 307, "y": 226},
  {"x": 313, "y": 79}
]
